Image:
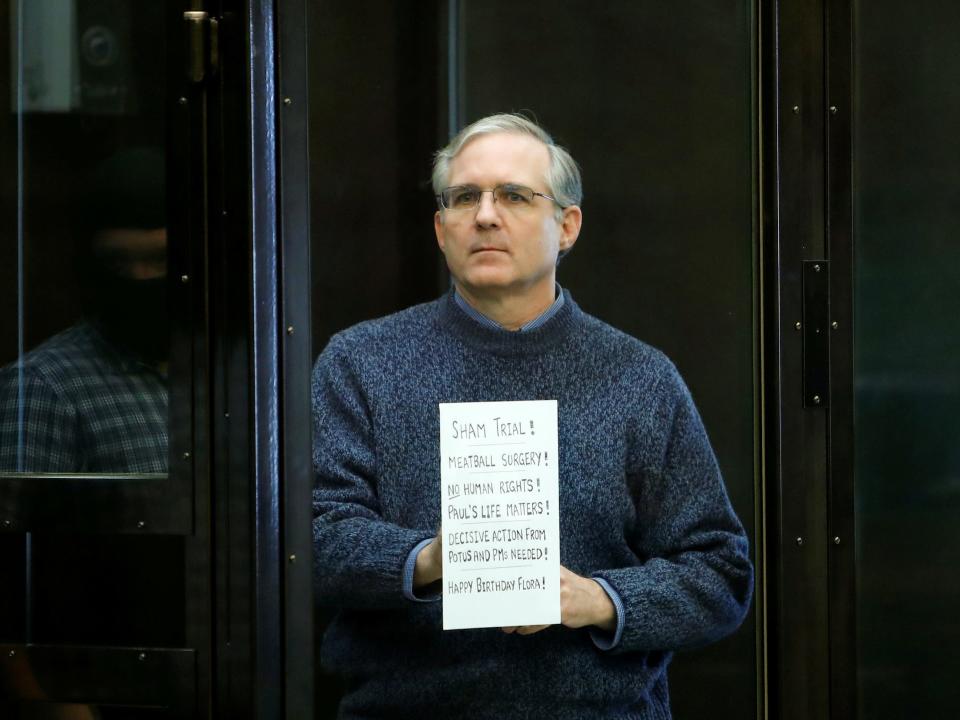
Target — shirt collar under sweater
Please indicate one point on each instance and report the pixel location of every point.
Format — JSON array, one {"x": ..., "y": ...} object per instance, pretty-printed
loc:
[
  {"x": 498, "y": 341},
  {"x": 541, "y": 319}
]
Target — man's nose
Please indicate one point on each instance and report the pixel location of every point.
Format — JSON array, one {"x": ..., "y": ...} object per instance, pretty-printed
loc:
[{"x": 488, "y": 212}]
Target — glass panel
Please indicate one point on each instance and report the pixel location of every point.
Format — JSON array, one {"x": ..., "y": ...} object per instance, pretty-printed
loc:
[
  {"x": 664, "y": 138},
  {"x": 907, "y": 358},
  {"x": 84, "y": 335},
  {"x": 84, "y": 330},
  {"x": 367, "y": 264}
]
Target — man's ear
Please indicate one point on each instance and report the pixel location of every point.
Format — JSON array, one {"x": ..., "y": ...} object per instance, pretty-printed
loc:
[
  {"x": 570, "y": 227},
  {"x": 438, "y": 229}
]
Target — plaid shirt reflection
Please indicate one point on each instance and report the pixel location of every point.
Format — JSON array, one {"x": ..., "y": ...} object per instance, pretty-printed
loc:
[{"x": 76, "y": 404}]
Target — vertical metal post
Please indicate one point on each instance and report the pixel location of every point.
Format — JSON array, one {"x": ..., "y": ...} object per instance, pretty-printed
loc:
[
  {"x": 841, "y": 520},
  {"x": 265, "y": 419},
  {"x": 796, "y": 436},
  {"x": 295, "y": 357},
  {"x": 454, "y": 68}
]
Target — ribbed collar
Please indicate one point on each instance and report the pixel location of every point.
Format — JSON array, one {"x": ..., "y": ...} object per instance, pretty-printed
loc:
[{"x": 498, "y": 341}]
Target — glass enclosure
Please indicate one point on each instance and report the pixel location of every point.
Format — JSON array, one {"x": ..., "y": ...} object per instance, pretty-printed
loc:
[
  {"x": 907, "y": 358},
  {"x": 88, "y": 297},
  {"x": 664, "y": 135}
]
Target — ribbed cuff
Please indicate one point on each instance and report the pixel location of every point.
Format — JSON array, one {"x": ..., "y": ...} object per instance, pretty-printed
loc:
[
  {"x": 601, "y": 638},
  {"x": 408, "y": 569}
]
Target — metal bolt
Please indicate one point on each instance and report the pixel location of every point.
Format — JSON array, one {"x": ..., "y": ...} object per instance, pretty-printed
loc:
[
  {"x": 833, "y": 109},
  {"x": 182, "y": 101},
  {"x": 141, "y": 657},
  {"x": 834, "y": 324},
  {"x": 816, "y": 268},
  {"x": 796, "y": 109},
  {"x": 289, "y": 329},
  {"x": 186, "y": 456},
  {"x": 7, "y": 523},
  {"x": 816, "y": 399},
  {"x": 141, "y": 524},
  {"x": 184, "y": 279},
  {"x": 836, "y": 540},
  {"x": 12, "y": 653},
  {"x": 799, "y": 541},
  {"x": 798, "y": 326},
  {"x": 287, "y": 101},
  {"x": 293, "y": 558},
  {"x": 226, "y": 415}
]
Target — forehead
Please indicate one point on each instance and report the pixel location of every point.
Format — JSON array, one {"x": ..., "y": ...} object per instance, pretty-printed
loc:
[
  {"x": 130, "y": 244},
  {"x": 500, "y": 157}
]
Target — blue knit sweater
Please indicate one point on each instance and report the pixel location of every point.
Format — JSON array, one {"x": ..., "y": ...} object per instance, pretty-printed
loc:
[{"x": 641, "y": 499}]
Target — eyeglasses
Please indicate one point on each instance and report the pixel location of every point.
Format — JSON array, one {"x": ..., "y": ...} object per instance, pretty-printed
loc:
[{"x": 467, "y": 197}]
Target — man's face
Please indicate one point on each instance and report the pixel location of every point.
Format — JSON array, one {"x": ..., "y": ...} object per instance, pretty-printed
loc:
[
  {"x": 496, "y": 250},
  {"x": 132, "y": 253}
]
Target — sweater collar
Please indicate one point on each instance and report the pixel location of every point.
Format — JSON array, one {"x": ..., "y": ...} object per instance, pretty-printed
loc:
[{"x": 496, "y": 340}]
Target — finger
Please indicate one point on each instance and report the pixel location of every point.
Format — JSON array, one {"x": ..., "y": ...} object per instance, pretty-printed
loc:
[{"x": 531, "y": 629}]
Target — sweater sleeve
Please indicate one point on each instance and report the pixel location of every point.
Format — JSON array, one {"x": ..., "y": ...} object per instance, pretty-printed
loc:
[
  {"x": 359, "y": 558},
  {"x": 694, "y": 581}
]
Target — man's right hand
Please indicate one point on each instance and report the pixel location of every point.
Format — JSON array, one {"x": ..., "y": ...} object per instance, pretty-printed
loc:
[{"x": 429, "y": 564}]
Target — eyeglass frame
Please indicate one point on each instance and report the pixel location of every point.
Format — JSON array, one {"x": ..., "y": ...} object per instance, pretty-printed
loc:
[{"x": 493, "y": 191}]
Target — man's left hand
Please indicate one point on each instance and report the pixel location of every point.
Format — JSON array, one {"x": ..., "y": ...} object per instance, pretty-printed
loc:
[{"x": 582, "y": 602}]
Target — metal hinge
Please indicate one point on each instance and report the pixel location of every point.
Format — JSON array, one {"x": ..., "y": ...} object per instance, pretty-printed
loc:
[
  {"x": 203, "y": 46},
  {"x": 816, "y": 333}
]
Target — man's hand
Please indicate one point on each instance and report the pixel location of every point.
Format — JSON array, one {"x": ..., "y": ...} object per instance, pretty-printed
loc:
[
  {"x": 582, "y": 602},
  {"x": 429, "y": 565}
]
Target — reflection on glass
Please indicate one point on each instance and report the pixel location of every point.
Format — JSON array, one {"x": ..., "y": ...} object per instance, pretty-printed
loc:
[
  {"x": 52, "y": 711},
  {"x": 39, "y": 710},
  {"x": 83, "y": 329},
  {"x": 93, "y": 398}
]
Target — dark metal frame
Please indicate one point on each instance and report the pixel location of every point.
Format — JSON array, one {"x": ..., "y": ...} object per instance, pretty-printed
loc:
[
  {"x": 806, "y": 186},
  {"x": 796, "y": 436},
  {"x": 265, "y": 364},
  {"x": 295, "y": 346},
  {"x": 263, "y": 641},
  {"x": 840, "y": 247}
]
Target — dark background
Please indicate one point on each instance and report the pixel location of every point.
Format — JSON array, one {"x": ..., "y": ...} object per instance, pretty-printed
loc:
[{"x": 907, "y": 357}]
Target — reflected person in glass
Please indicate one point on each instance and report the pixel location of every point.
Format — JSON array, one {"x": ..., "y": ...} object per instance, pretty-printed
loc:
[
  {"x": 93, "y": 398},
  {"x": 653, "y": 557}
]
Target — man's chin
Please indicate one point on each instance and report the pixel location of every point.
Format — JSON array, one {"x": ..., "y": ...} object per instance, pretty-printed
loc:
[{"x": 486, "y": 282}]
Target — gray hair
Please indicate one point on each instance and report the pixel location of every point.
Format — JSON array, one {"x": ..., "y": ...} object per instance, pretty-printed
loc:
[{"x": 563, "y": 174}]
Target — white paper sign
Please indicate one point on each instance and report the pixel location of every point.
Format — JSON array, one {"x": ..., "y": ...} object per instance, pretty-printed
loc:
[{"x": 501, "y": 517}]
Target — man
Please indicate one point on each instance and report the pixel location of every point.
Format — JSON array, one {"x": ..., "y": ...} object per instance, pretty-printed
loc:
[
  {"x": 93, "y": 398},
  {"x": 654, "y": 558}
]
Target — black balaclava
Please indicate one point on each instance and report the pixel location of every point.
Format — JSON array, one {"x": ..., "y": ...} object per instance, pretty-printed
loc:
[{"x": 125, "y": 192}]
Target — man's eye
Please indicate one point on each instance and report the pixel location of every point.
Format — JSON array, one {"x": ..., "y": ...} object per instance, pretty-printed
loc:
[
  {"x": 465, "y": 197},
  {"x": 514, "y": 195}
]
